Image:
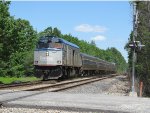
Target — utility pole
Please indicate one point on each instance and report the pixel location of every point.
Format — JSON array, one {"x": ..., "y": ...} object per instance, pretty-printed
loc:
[
  {"x": 3, "y": 1},
  {"x": 135, "y": 46},
  {"x": 135, "y": 18}
]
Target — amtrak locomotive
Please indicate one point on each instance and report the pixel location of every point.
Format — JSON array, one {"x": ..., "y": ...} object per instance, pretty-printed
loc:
[{"x": 57, "y": 58}]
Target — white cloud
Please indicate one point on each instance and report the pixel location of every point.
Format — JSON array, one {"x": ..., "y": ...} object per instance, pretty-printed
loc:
[
  {"x": 99, "y": 38},
  {"x": 90, "y": 28}
]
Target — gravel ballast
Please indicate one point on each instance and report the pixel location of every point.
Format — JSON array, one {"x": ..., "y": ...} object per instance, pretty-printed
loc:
[
  {"x": 117, "y": 86},
  {"x": 29, "y": 110}
]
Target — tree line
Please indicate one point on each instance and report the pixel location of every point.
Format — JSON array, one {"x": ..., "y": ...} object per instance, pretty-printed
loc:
[
  {"x": 142, "y": 67},
  {"x": 18, "y": 40}
]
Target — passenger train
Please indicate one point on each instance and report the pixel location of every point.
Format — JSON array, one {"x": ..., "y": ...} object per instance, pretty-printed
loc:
[{"x": 56, "y": 58}]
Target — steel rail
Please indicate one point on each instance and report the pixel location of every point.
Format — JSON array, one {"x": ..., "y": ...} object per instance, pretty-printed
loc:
[{"x": 19, "y": 84}]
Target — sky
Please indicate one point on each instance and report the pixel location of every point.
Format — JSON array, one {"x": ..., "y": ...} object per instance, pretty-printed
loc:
[{"x": 108, "y": 23}]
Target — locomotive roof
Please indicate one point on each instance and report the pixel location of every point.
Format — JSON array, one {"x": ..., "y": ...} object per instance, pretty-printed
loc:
[
  {"x": 44, "y": 38},
  {"x": 68, "y": 43}
]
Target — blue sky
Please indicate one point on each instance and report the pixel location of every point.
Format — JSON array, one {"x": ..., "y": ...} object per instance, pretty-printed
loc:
[{"x": 109, "y": 23}]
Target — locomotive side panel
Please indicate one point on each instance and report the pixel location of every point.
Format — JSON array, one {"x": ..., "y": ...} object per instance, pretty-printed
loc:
[
  {"x": 72, "y": 57},
  {"x": 76, "y": 58},
  {"x": 75, "y": 63},
  {"x": 64, "y": 55},
  {"x": 69, "y": 56}
]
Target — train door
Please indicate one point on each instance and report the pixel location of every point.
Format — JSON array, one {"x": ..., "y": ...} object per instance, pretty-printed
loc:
[
  {"x": 74, "y": 57},
  {"x": 65, "y": 55},
  {"x": 69, "y": 56}
]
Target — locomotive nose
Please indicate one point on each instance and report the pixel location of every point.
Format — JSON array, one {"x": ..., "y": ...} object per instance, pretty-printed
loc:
[{"x": 48, "y": 58}]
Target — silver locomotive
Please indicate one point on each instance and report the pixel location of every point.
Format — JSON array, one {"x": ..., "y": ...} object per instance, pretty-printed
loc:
[{"x": 57, "y": 58}]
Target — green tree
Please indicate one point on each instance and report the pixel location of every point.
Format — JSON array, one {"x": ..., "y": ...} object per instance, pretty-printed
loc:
[
  {"x": 23, "y": 39},
  {"x": 143, "y": 61},
  {"x": 142, "y": 70},
  {"x": 5, "y": 31},
  {"x": 50, "y": 32},
  {"x": 17, "y": 38},
  {"x": 116, "y": 57},
  {"x": 93, "y": 43},
  {"x": 56, "y": 32}
]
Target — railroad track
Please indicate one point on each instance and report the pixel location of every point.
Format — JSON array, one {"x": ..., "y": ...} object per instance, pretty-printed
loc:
[
  {"x": 25, "y": 84},
  {"x": 24, "y": 93},
  {"x": 31, "y": 85},
  {"x": 4, "y": 86},
  {"x": 46, "y": 85},
  {"x": 68, "y": 84}
]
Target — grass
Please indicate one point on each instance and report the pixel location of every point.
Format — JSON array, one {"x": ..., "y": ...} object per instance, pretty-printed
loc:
[{"x": 8, "y": 80}]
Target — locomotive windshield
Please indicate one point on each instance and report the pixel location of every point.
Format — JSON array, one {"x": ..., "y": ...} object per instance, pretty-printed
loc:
[{"x": 49, "y": 42}]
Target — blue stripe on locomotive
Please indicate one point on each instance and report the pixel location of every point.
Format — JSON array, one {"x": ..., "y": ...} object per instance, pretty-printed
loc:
[{"x": 68, "y": 43}]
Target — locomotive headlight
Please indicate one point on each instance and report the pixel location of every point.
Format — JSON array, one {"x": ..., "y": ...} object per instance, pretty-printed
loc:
[
  {"x": 47, "y": 53},
  {"x": 36, "y": 62},
  {"x": 58, "y": 62}
]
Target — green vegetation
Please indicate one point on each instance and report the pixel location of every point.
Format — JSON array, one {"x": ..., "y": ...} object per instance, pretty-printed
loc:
[
  {"x": 8, "y": 80},
  {"x": 18, "y": 40},
  {"x": 142, "y": 68}
]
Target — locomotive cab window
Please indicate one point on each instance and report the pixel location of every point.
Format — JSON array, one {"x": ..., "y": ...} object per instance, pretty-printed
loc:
[
  {"x": 58, "y": 45},
  {"x": 49, "y": 42}
]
